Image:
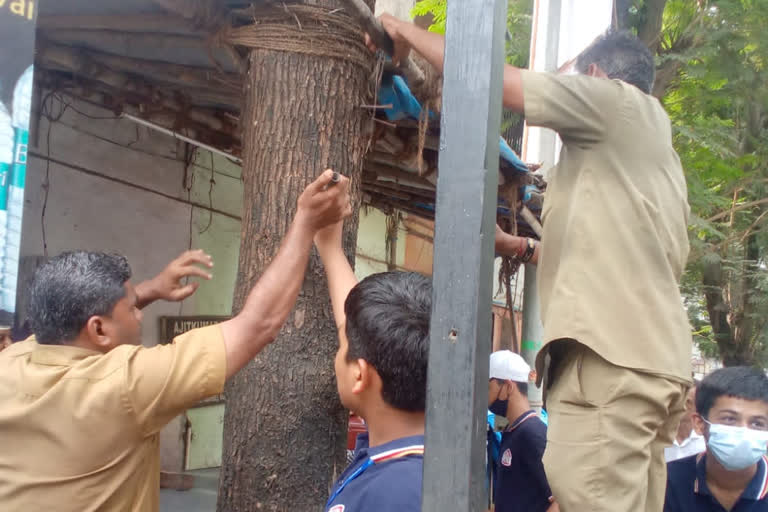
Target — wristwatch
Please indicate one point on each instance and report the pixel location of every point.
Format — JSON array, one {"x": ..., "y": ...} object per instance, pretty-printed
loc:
[{"x": 530, "y": 249}]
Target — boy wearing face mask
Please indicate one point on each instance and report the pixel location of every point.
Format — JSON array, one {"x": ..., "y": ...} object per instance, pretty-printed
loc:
[
  {"x": 732, "y": 475},
  {"x": 521, "y": 484}
]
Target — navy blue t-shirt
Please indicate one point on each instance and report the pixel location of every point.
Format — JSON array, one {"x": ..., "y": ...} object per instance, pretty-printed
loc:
[
  {"x": 385, "y": 478},
  {"x": 687, "y": 488},
  {"x": 521, "y": 484}
]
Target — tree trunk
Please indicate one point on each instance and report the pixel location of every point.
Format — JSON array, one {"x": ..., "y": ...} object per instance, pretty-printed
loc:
[{"x": 284, "y": 428}]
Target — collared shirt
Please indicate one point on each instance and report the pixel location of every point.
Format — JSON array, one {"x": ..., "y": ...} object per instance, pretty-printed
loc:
[
  {"x": 80, "y": 429},
  {"x": 687, "y": 489},
  {"x": 521, "y": 484},
  {"x": 615, "y": 240},
  {"x": 692, "y": 445},
  {"x": 385, "y": 478}
]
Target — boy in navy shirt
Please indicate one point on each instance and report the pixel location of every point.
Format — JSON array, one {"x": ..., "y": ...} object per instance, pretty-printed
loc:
[
  {"x": 732, "y": 475},
  {"x": 381, "y": 375},
  {"x": 521, "y": 484}
]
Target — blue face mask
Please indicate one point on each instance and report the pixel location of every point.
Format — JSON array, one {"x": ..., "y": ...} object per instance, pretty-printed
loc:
[{"x": 736, "y": 448}]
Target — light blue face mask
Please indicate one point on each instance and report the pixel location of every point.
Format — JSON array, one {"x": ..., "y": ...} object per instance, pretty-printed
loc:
[{"x": 736, "y": 448}]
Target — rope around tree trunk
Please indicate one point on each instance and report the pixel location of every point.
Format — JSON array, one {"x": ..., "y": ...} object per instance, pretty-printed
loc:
[{"x": 304, "y": 29}]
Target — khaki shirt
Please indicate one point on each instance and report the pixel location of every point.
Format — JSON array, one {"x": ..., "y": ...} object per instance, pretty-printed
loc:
[
  {"x": 79, "y": 430},
  {"x": 615, "y": 215}
]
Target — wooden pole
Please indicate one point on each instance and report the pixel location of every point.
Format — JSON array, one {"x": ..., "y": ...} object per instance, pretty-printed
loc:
[{"x": 457, "y": 382}]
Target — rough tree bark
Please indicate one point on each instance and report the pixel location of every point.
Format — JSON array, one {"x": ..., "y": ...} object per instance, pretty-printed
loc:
[{"x": 284, "y": 428}]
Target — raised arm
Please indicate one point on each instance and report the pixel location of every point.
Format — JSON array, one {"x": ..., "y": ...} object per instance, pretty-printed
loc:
[
  {"x": 431, "y": 46},
  {"x": 274, "y": 295},
  {"x": 341, "y": 277}
]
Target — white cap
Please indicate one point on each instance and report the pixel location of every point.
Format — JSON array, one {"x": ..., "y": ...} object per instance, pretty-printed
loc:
[{"x": 507, "y": 365}]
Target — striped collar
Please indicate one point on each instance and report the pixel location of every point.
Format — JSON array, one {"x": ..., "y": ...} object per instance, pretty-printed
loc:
[
  {"x": 520, "y": 420},
  {"x": 414, "y": 449},
  {"x": 411, "y": 445},
  {"x": 756, "y": 490}
]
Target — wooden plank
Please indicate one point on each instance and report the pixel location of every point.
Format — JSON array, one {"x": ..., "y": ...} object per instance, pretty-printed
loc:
[
  {"x": 146, "y": 23},
  {"x": 457, "y": 382}
]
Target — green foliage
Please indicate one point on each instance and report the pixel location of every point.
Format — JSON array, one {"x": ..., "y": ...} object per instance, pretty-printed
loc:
[
  {"x": 436, "y": 8},
  {"x": 518, "y": 25},
  {"x": 718, "y": 105}
]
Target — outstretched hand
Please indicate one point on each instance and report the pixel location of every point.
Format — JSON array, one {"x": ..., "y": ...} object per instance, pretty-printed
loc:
[
  {"x": 167, "y": 285},
  {"x": 324, "y": 202}
]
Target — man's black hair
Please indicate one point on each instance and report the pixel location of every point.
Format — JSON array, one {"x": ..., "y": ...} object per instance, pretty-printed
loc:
[
  {"x": 743, "y": 382},
  {"x": 72, "y": 287},
  {"x": 522, "y": 387},
  {"x": 621, "y": 55},
  {"x": 388, "y": 326}
]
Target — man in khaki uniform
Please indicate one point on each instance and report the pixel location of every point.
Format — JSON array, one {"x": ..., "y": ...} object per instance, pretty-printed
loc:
[
  {"x": 81, "y": 407},
  {"x": 613, "y": 250}
]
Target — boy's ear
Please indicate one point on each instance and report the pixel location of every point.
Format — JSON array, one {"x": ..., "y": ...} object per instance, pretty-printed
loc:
[{"x": 363, "y": 374}]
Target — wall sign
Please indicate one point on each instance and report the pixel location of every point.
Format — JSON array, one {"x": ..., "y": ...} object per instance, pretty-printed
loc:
[{"x": 172, "y": 326}]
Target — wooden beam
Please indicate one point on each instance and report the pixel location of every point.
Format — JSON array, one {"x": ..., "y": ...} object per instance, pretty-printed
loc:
[
  {"x": 62, "y": 58},
  {"x": 133, "y": 42},
  {"x": 415, "y": 193},
  {"x": 462, "y": 283},
  {"x": 110, "y": 38},
  {"x": 101, "y": 95},
  {"x": 167, "y": 72},
  {"x": 146, "y": 23},
  {"x": 405, "y": 177}
]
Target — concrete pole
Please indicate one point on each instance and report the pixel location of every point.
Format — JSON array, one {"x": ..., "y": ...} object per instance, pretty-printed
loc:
[{"x": 533, "y": 331}]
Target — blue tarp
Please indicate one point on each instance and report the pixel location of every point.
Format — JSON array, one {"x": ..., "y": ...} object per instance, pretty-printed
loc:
[{"x": 394, "y": 90}]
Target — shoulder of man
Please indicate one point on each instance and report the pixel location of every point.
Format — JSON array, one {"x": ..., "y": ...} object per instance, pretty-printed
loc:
[{"x": 20, "y": 348}]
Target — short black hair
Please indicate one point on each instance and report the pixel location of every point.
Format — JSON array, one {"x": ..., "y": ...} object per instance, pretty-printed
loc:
[
  {"x": 621, "y": 55},
  {"x": 522, "y": 387},
  {"x": 388, "y": 326},
  {"x": 743, "y": 382},
  {"x": 72, "y": 287}
]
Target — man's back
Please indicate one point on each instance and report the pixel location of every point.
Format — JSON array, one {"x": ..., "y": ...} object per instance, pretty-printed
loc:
[
  {"x": 81, "y": 428},
  {"x": 615, "y": 223}
]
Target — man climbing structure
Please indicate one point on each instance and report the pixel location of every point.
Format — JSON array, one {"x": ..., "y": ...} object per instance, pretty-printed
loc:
[{"x": 617, "y": 343}]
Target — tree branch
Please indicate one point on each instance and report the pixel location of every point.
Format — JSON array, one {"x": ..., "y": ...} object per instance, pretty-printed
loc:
[
  {"x": 650, "y": 31},
  {"x": 738, "y": 208},
  {"x": 712, "y": 278}
]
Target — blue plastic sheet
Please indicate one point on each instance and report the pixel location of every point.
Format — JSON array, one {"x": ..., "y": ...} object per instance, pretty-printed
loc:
[{"x": 394, "y": 91}]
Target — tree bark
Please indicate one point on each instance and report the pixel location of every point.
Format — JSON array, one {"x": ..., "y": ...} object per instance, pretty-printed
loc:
[
  {"x": 284, "y": 428},
  {"x": 650, "y": 31}
]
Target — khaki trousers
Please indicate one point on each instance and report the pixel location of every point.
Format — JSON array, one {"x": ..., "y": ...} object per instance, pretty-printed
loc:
[{"x": 608, "y": 427}]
